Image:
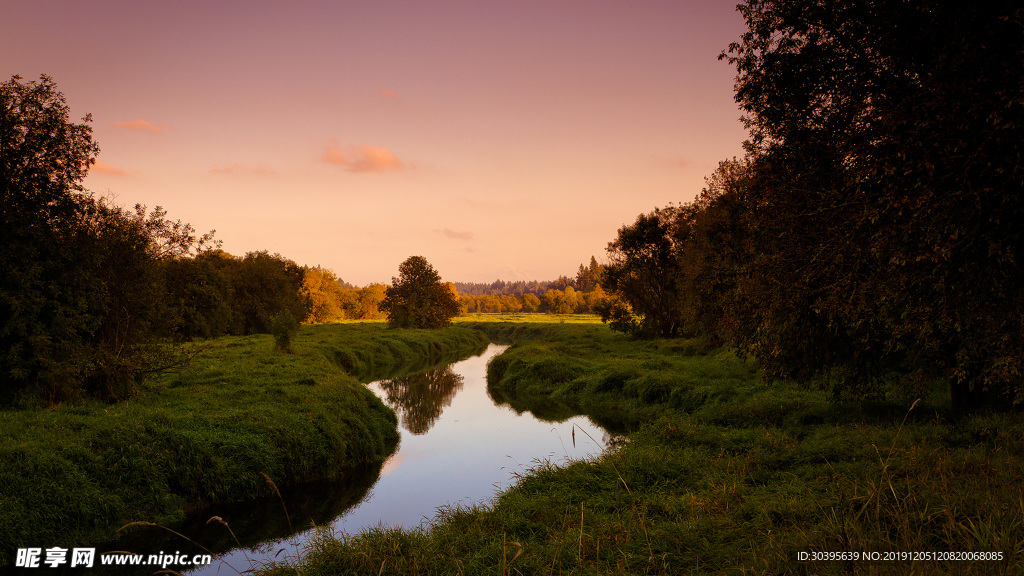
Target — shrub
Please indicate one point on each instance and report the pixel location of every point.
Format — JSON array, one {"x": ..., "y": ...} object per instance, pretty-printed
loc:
[{"x": 284, "y": 327}]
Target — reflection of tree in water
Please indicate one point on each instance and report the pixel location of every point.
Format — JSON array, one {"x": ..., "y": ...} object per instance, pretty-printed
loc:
[
  {"x": 420, "y": 398},
  {"x": 612, "y": 441}
]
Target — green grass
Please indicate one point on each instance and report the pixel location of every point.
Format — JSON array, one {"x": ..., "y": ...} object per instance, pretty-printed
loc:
[
  {"x": 527, "y": 318},
  {"x": 75, "y": 473},
  {"x": 721, "y": 473}
]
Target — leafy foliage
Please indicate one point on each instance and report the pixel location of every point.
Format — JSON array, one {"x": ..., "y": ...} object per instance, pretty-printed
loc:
[
  {"x": 81, "y": 290},
  {"x": 643, "y": 272},
  {"x": 284, "y": 327},
  {"x": 871, "y": 235},
  {"x": 418, "y": 299},
  {"x": 264, "y": 284},
  {"x": 889, "y": 144},
  {"x": 200, "y": 296},
  {"x": 43, "y": 295},
  {"x": 330, "y": 299}
]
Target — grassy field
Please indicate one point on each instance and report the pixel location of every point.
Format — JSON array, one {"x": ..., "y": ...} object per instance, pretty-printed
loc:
[
  {"x": 721, "y": 474},
  {"x": 73, "y": 474},
  {"x": 489, "y": 318}
]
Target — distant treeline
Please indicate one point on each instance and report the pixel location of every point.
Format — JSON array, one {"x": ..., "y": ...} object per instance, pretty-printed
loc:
[
  {"x": 871, "y": 240},
  {"x": 566, "y": 295},
  {"x": 588, "y": 277},
  {"x": 553, "y": 301},
  {"x": 514, "y": 288},
  {"x": 331, "y": 299}
]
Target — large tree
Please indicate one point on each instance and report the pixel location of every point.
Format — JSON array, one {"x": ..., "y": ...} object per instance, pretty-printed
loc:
[
  {"x": 83, "y": 305},
  {"x": 715, "y": 252},
  {"x": 889, "y": 138},
  {"x": 644, "y": 274},
  {"x": 45, "y": 296},
  {"x": 418, "y": 299}
]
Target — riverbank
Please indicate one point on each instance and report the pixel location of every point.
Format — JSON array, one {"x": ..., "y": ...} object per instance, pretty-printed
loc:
[
  {"x": 75, "y": 473},
  {"x": 723, "y": 473}
]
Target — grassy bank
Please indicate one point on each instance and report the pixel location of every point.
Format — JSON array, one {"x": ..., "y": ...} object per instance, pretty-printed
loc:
[
  {"x": 722, "y": 474},
  {"x": 74, "y": 474}
]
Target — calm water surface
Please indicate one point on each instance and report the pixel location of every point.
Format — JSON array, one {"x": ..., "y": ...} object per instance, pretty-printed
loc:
[{"x": 457, "y": 447}]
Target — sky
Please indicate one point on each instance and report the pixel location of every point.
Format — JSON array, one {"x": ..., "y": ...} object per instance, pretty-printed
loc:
[{"x": 498, "y": 139}]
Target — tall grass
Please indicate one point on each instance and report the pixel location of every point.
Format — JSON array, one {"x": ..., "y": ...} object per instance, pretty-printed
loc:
[
  {"x": 721, "y": 474},
  {"x": 241, "y": 412}
]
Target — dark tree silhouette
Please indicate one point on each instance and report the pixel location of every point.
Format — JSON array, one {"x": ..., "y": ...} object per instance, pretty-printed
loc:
[
  {"x": 46, "y": 297},
  {"x": 81, "y": 294},
  {"x": 889, "y": 139},
  {"x": 643, "y": 273}
]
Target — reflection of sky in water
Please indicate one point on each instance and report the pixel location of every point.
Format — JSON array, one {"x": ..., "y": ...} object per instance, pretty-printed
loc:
[{"x": 471, "y": 452}]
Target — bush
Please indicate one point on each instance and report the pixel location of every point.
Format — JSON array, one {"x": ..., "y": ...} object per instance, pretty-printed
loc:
[{"x": 284, "y": 327}]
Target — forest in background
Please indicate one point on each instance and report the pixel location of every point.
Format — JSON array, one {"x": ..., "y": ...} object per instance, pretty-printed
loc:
[{"x": 332, "y": 299}]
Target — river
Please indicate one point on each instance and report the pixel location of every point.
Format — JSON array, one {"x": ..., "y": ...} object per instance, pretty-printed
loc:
[{"x": 457, "y": 447}]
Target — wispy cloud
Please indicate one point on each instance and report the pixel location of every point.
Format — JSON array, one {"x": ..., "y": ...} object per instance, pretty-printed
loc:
[
  {"x": 108, "y": 169},
  {"x": 455, "y": 235},
  {"x": 226, "y": 169},
  {"x": 363, "y": 158},
  {"x": 387, "y": 92},
  {"x": 672, "y": 162},
  {"x": 236, "y": 168},
  {"x": 142, "y": 125}
]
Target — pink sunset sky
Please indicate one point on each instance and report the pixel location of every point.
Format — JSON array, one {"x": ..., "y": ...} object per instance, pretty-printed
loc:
[{"x": 497, "y": 139}]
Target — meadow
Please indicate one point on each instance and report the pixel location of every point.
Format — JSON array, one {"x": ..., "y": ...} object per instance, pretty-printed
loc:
[
  {"x": 241, "y": 419},
  {"x": 720, "y": 473}
]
